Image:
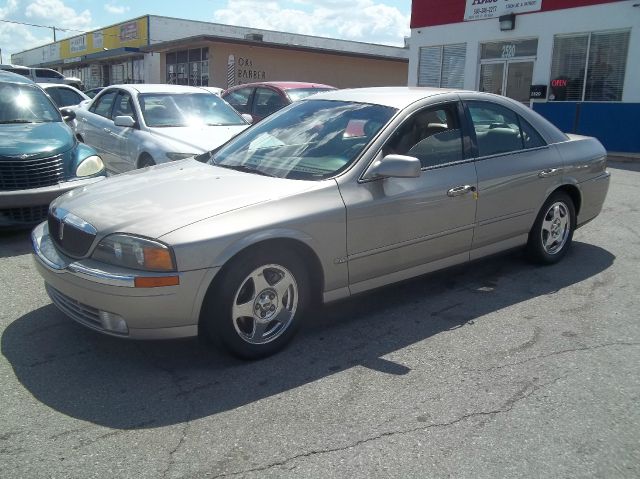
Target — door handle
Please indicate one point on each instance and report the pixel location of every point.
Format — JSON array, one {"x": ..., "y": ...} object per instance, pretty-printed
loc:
[
  {"x": 460, "y": 190},
  {"x": 549, "y": 172}
]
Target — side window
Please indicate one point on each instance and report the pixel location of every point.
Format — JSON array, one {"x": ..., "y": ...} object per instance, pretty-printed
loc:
[
  {"x": 66, "y": 97},
  {"x": 432, "y": 135},
  {"x": 104, "y": 103},
  {"x": 55, "y": 96},
  {"x": 266, "y": 102},
  {"x": 123, "y": 106},
  {"x": 530, "y": 136},
  {"x": 239, "y": 99},
  {"x": 497, "y": 128},
  {"x": 46, "y": 73}
]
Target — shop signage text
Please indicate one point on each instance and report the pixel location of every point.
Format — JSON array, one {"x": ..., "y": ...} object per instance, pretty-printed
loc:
[
  {"x": 481, "y": 9},
  {"x": 537, "y": 91},
  {"x": 78, "y": 44},
  {"x": 247, "y": 73},
  {"x": 128, "y": 31}
]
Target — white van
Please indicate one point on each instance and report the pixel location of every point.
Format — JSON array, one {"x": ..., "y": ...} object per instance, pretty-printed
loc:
[{"x": 43, "y": 75}]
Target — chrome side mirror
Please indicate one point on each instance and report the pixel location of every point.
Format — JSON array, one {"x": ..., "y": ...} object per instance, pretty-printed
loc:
[
  {"x": 248, "y": 118},
  {"x": 394, "y": 166},
  {"x": 124, "y": 120}
]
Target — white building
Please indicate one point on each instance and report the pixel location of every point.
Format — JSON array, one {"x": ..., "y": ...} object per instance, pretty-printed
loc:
[{"x": 576, "y": 61}]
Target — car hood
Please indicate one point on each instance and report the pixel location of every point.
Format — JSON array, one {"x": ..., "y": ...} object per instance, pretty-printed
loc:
[
  {"x": 36, "y": 140},
  {"x": 157, "y": 200},
  {"x": 197, "y": 139}
]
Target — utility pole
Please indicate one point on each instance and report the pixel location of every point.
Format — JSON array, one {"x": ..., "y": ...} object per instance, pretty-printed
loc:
[{"x": 54, "y": 34}]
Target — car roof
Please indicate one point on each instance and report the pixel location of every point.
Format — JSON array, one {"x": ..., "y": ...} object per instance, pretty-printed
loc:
[
  {"x": 157, "y": 88},
  {"x": 396, "y": 97},
  {"x": 284, "y": 85},
  {"x": 8, "y": 77}
]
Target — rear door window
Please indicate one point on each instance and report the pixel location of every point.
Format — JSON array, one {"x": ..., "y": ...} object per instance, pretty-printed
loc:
[
  {"x": 65, "y": 97},
  {"x": 497, "y": 128},
  {"x": 46, "y": 73},
  {"x": 266, "y": 102}
]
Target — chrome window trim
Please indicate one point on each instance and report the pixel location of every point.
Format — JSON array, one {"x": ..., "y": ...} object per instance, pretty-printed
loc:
[{"x": 514, "y": 152}]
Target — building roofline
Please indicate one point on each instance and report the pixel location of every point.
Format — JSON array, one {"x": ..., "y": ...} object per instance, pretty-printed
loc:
[{"x": 170, "y": 44}]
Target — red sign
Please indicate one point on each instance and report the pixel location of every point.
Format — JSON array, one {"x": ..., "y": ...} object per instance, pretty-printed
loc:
[{"x": 559, "y": 83}]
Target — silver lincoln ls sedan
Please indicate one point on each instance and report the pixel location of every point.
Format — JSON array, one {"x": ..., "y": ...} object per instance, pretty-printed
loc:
[{"x": 334, "y": 195}]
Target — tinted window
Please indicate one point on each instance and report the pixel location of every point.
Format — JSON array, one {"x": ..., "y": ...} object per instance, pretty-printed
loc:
[
  {"x": 433, "y": 136},
  {"x": 46, "y": 73},
  {"x": 530, "y": 136},
  {"x": 239, "y": 99},
  {"x": 103, "y": 104},
  {"x": 266, "y": 102},
  {"x": 25, "y": 104},
  {"x": 123, "y": 106},
  {"x": 64, "y": 96},
  {"x": 497, "y": 128},
  {"x": 20, "y": 71}
]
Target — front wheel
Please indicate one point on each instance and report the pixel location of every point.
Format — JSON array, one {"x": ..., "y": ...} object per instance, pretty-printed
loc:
[
  {"x": 256, "y": 306},
  {"x": 551, "y": 235}
]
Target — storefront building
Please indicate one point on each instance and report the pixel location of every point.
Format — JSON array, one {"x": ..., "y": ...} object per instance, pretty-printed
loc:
[
  {"x": 155, "y": 49},
  {"x": 577, "y": 62}
]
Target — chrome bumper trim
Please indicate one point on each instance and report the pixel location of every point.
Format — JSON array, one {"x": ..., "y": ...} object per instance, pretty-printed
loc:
[{"x": 55, "y": 263}]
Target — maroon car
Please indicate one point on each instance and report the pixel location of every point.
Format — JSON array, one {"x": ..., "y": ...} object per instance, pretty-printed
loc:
[{"x": 262, "y": 99}]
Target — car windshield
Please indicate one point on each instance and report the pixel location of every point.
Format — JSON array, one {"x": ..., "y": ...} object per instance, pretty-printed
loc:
[
  {"x": 187, "y": 109},
  {"x": 299, "y": 93},
  {"x": 309, "y": 140},
  {"x": 20, "y": 103}
]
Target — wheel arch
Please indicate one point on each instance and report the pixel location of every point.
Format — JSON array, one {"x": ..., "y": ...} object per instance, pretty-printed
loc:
[
  {"x": 141, "y": 155},
  {"x": 288, "y": 243},
  {"x": 574, "y": 193}
]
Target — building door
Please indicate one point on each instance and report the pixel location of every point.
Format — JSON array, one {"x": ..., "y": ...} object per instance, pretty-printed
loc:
[
  {"x": 506, "y": 68},
  {"x": 510, "y": 78}
]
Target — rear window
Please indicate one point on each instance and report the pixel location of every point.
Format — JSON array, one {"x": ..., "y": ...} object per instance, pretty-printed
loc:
[{"x": 296, "y": 94}]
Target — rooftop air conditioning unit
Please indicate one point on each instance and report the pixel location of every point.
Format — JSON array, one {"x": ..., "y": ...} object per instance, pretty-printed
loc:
[{"x": 256, "y": 37}]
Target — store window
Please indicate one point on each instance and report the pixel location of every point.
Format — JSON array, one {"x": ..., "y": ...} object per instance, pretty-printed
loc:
[
  {"x": 442, "y": 66},
  {"x": 188, "y": 67},
  {"x": 589, "y": 67}
]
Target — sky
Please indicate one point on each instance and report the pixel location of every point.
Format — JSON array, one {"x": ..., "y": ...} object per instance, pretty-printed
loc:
[{"x": 374, "y": 21}]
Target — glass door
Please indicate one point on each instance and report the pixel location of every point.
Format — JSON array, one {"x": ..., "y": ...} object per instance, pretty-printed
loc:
[
  {"x": 492, "y": 77},
  {"x": 519, "y": 78}
]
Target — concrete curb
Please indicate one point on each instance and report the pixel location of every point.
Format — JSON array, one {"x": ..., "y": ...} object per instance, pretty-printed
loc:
[{"x": 623, "y": 158}]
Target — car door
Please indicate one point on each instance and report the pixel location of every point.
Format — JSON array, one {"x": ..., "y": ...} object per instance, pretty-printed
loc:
[
  {"x": 401, "y": 227},
  {"x": 93, "y": 124},
  {"x": 123, "y": 141},
  {"x": 516, "y": 171}
]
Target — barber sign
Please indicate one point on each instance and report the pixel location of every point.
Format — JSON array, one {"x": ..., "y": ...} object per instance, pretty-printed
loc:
[{"x": 481, "y": 9}]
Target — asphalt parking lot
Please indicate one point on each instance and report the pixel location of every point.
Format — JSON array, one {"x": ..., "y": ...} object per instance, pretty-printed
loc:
[{"x": 495, "y": 369}]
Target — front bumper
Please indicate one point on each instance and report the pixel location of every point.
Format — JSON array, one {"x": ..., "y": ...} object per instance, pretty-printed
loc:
[
  {"x": 14, "y": 203},
  {"x": 93, "y": 294}
]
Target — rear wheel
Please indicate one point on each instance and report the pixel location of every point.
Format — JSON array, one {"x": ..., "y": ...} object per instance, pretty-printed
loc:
[
  {"x": 256, "y": 306},
  {"x": 552, "y": 233}
]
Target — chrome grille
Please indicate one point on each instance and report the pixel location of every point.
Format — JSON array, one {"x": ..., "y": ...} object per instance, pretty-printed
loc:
[
  {"x": 17, "y": 174},
  {"x": 82, "y": 313},
  {"x": 74, "y": 242},
  {"x": 23, "y": 216}
]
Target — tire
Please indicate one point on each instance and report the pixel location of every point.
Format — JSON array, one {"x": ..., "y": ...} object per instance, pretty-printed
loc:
[
  {"x": 145, "y": 160},
  {"x": 270, "y": 285},
  {"x": 552, "y": 233}
]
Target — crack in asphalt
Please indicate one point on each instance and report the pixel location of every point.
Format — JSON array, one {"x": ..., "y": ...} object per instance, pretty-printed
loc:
[
  {"x": 523, "y": 393},
  {"x": 176, "y": 381},
  {"x": 557, "y": 353}
]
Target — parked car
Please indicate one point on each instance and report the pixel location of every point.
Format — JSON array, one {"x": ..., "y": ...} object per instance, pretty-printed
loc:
[
  {"x": 91, "y": 93},
  {"x": 43, "y": 75},
  {"x": 134, "y": 126},
  {"x": 237, "y": 243},
  {"x": 39, "y": 155},
  {"x": 262, "y": 99},
  {"x": 63, "y": 95}
]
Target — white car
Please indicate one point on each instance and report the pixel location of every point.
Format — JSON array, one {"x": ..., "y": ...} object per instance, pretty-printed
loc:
[
  {"x": 134, "y": 126},
  {"x": 64, "y": 95}
]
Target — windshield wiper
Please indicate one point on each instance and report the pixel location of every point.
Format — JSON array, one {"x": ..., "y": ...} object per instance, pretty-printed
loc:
[
  {"x": 4, "y": 122},
  {"x": 245, "y": 169}
]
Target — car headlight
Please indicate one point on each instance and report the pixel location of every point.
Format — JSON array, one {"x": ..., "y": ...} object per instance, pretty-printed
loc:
[
  {"x": 136, "y": 253},
  {"x": 180, "y": 156},
  {"x": 91, "y": 165}
]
